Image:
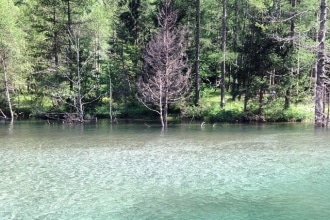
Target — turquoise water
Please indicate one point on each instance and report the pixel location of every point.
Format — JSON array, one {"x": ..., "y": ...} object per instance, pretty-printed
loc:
[{"x": 129, "y": 171}]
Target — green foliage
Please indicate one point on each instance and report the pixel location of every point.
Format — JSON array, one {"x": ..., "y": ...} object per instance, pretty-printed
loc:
[
  {"x": 296, "y": 113},
  {"x": 269, "y": 48},
  {"x": 13, "y": 57},
  {"x": 195, "y": 112},
  {"x": 209, "y": 110},
  {"x": 223, "y": 115},
  {"x": 261, "y": 5}
]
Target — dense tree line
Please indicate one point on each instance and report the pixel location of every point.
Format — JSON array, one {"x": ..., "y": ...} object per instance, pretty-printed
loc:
[{"x": 85, "y": 57}]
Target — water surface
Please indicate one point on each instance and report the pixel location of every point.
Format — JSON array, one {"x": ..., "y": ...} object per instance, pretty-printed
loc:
[{"x": 130, "y": 171}]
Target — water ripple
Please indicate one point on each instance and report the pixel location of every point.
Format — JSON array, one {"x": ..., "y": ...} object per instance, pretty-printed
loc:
[{"x": 144, "y": 176}]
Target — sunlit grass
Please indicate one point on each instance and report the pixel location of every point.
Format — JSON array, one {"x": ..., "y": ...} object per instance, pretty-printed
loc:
[{"x": 233, "y": 110}]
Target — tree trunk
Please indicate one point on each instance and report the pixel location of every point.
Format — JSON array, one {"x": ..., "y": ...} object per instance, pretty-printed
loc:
[
  {"x": 69, "y": 56},
  {"x": 165, "y": 113},
  {"x": 261, "y": 99},
  {"x": 223, "y": 66},
  {"x": 79, "y": 105},
  {"x": 125, "y": 77},
  {"x": 287, "y": 97},
  {"x": 197, "y": 52},
  {"x": 55, "y": 40},
  {"x": 7, "y": 90},
  {"x": 287, "y": 102},
  {"x": 320, "y": 72},
  {"x": 110, "y": 98},
  {"x": 161, "y": 104}
]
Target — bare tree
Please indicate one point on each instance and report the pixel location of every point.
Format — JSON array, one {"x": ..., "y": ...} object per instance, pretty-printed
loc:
[
  {"x": 320, "y": 72},
  {"x": 81, "y": 94},
  {"x": 165, "y": 76}
]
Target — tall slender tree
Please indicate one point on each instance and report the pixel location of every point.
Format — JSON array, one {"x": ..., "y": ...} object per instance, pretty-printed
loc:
[
  {"x": 320, "y": 119},
  {"x": 223, "y": 48},
  {"x": 197, "y": 51},
  {"x": 11, "y": 54}
]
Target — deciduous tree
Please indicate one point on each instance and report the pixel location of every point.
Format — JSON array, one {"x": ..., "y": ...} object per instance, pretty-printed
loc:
[{"x": 11, "y": 54}]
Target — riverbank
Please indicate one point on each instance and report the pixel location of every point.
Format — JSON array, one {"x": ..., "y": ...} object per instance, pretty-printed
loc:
[{"x": 208, "y": 110}]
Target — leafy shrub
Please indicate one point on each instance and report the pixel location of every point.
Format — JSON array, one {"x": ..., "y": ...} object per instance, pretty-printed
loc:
[
  {"x": 296, "y": 114},
  {"x": 232, "y": 115},
  {"x": 195, "y": 112}
]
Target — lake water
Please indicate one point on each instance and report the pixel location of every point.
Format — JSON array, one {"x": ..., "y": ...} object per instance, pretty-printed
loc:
[{"x": 130, "y": 171}]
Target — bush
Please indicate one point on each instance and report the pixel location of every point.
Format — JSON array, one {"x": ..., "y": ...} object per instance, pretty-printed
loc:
[
  {"x": 232, "y": 115},
  {"x": 195, "y": 112},
  {"x": 296, "y": 114},
  {"x": 272, "y": 111}
]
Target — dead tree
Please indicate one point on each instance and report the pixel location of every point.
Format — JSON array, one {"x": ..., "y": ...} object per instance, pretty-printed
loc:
[{"x": 165, "y": 76}]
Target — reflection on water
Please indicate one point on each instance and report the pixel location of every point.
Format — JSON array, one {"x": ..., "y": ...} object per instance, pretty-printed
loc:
[{"x": 130, "y": 171}]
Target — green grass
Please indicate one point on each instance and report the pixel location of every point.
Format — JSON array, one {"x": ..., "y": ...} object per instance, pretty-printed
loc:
[
  {"x": 208, "y": 109},
  {"x": 273, "y": 110}
]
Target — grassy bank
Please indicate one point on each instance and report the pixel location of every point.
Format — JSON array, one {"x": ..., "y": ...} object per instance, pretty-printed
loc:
[
  {"x": 272, "y": 110},
  {"x": 208, "y": 110}
]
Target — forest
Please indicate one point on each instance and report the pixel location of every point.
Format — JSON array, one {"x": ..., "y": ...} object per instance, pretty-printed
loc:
[{"x": 209, "y": 60}]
